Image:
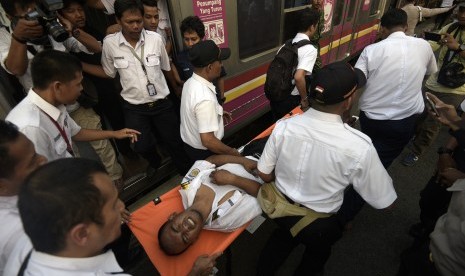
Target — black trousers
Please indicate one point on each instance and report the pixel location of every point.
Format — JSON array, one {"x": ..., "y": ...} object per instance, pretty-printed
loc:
[
  {"x": 318, "y": 238},
  {"x": 389, "y": 136},
  {"x": 196, "y": 154},
  {"x": 281, "y": 108},
  {"x": 157, "y": 121}
]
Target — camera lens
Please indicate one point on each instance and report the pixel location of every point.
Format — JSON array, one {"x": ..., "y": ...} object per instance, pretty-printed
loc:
[{"x": 56, "y": 31}]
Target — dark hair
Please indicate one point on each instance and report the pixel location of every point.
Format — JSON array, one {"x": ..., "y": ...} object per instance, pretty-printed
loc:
[
  {"x": 9, "y": 6},
  {"x": 67, "y": 3},
  {"x": 193, "y": 24},
  {"x": 52, "y": 65},
  {"x": 58, "y": 196},
  {"x": 8, "y": 134},
  {"x": 394, "y": 18},
  {"x": 308, "y": 17},
  {"x": 150, "y": 3},
  {"x": 127, "y": 5}
]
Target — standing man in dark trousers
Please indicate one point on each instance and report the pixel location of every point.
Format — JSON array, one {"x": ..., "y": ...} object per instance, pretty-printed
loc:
[
  {"x": 392, "y": 101},
  {"x": 308, "y": 162},
  {"x": 140, "y": 58},
  {"x": 202, "y": 126}
]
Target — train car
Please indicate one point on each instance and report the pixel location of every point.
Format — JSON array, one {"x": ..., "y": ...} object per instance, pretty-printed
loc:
[{"x": 254, "y": 31}]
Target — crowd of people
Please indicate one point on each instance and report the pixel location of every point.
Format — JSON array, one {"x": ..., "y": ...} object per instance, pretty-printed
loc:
[{"x": 311, "y": 176}]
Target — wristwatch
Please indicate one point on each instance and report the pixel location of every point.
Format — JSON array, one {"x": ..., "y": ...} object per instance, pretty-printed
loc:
[
  {"x": 461, "y": 48},
  {"x": 75, "y": 32},
  {"x": 444, "y": 150}
]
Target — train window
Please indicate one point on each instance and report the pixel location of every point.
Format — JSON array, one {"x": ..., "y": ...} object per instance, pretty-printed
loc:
[
  {"x": 350, "y": 13},
  {"x": 338, "y": 11},
  {"x": 296, "y": 3},
  {"x": 374, "y": 7},
  {"x": 258, "y": 26}
]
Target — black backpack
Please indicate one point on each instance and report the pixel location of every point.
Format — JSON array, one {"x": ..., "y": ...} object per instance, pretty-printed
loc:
[{"x": 280, "y": 74}]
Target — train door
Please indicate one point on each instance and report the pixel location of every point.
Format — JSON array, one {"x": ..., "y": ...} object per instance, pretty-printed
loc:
[{"x": 342, "y": 22}]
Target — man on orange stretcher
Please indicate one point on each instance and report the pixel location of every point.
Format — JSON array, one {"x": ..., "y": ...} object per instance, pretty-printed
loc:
[{"x": 219, "y": 194}]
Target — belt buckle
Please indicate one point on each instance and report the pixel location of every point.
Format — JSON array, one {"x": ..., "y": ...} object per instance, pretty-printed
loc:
[{"x": 151, "y": 104}]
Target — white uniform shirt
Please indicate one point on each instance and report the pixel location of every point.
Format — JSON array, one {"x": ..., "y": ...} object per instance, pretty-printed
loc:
[
  {"x": 306, "y": 57},
  {"x": 117, "y": 57},
  {"x": 29, "y": 115},
  {"x": 48, "y": 265},
  {"x": 316, "y": 156},
  {"x": 21, "y": 249},
  {"x": 395, "y": 68},
  {"x": 200, "y": 111},
  {"x": 11, "y": 230},
  {"x": 239, "y": 209},
  {"x": 71, "y": 45},
  {"x": 448, "y": 238}
]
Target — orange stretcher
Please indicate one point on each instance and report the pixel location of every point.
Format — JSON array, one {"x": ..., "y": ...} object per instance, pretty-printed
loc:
[{"x": 146, "y": 221}]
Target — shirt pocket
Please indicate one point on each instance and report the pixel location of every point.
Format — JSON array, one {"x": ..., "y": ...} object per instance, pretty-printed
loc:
[
  {"x": 60, "y": 146},
  {"x": 121, "y": 63},
  {"x": 152, "y": 60}
]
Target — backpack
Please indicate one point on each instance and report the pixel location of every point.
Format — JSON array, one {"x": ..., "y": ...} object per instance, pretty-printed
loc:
[{"x": 280, "y": 74}]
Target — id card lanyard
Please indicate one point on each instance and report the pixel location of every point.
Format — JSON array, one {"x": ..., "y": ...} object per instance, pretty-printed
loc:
[
  {"x": 150, "y": 86},
  {"x": 62, "y": 131}
]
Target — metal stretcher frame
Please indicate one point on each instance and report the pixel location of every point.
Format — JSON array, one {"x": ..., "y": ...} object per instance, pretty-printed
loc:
[{"x": 147, "y": 220}]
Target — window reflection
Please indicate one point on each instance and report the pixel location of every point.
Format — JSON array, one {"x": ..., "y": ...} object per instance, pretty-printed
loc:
[{"x": 258, "y": 26}]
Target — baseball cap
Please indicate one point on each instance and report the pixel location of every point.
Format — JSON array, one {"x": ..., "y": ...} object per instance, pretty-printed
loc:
[
  {"x": 206, "y": 52},
  {"x": 336, "y": 82}
]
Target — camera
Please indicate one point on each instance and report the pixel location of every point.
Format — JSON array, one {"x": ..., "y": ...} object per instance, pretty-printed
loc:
[{"x": 45, "y": 14}]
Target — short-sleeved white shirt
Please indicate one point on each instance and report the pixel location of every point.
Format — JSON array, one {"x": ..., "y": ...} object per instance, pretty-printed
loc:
[
  {"x": 69, "y": 45},
  {"x": 200, "y": 111},
  {"x": 45, "y": 264},
  {"x": 306, "y": 57},
  {"x": 395, "y": 68},
  {"x": 117, "y": 57},
  {"x": 11, "y": 230},
  {"x": 316, "y": 156},
  {"x": 239, "y": 209},
  {"x": 29, "y": 115}
]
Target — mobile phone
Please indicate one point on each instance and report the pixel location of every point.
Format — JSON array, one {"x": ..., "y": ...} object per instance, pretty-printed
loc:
[
  {"x": 431, "y": 106},
  {"x": 432, "y": 36}
]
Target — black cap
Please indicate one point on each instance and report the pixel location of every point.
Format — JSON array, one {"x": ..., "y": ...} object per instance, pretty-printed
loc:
[
  {"x": 206, "y": 52},
  {"x": 335, "y": 82}
]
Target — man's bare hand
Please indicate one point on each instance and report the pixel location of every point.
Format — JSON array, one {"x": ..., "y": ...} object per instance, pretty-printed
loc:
[
  {"x": 450, "y": 175},
  {"x": 250, "y": 165},
  {"x": 227, "y": 117},
  {"x": 447, "y": 113},
  {"x": 28, "y": 29},
  {"x": 125, "y": 216},
  {"x": 204, "y": 264},
  {"x": 222, "y": 177},
  {"x": 126, "y": 133}
]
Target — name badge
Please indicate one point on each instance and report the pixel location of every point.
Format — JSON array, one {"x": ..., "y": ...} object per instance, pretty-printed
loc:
[{"x": 151, "y": 89}]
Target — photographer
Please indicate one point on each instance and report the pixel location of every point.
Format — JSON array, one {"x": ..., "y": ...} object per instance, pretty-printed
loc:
[{"x": 16, "y": 49}]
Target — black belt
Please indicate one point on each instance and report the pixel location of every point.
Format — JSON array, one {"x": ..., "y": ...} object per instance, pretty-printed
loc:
[
  {"x": 148, "y": 105},
  {"x": 292, "y": 201}
]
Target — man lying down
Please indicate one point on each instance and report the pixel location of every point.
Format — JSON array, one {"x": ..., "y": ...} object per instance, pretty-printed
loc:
[{"x": 219, "y": 194}]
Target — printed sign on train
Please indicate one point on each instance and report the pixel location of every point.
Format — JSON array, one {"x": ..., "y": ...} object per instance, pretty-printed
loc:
[
  {"x": 328, "y": 9},
  {"x": 213, "y": 15}
]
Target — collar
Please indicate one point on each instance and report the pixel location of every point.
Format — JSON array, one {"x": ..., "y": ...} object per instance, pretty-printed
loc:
[
  {"x": 9, "y": 202},
  {"x": 300, "y": 36},
  {"x": 122, "y": 40},
  {"x": 45, "y": 106},
  {"x": 105, "y": 262},
  {"x": 323, "y": 116},
  {"x": 459, "y": 185},
  {"x": 204, "y": 81},
  {"x": 397, "y": 34}
]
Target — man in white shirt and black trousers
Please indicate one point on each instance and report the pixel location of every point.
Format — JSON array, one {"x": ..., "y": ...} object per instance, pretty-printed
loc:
[
  {"x": 312, "y": 158},
  {"x": 140, "y": 58},
  {"x": 392, "y": 101}
]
